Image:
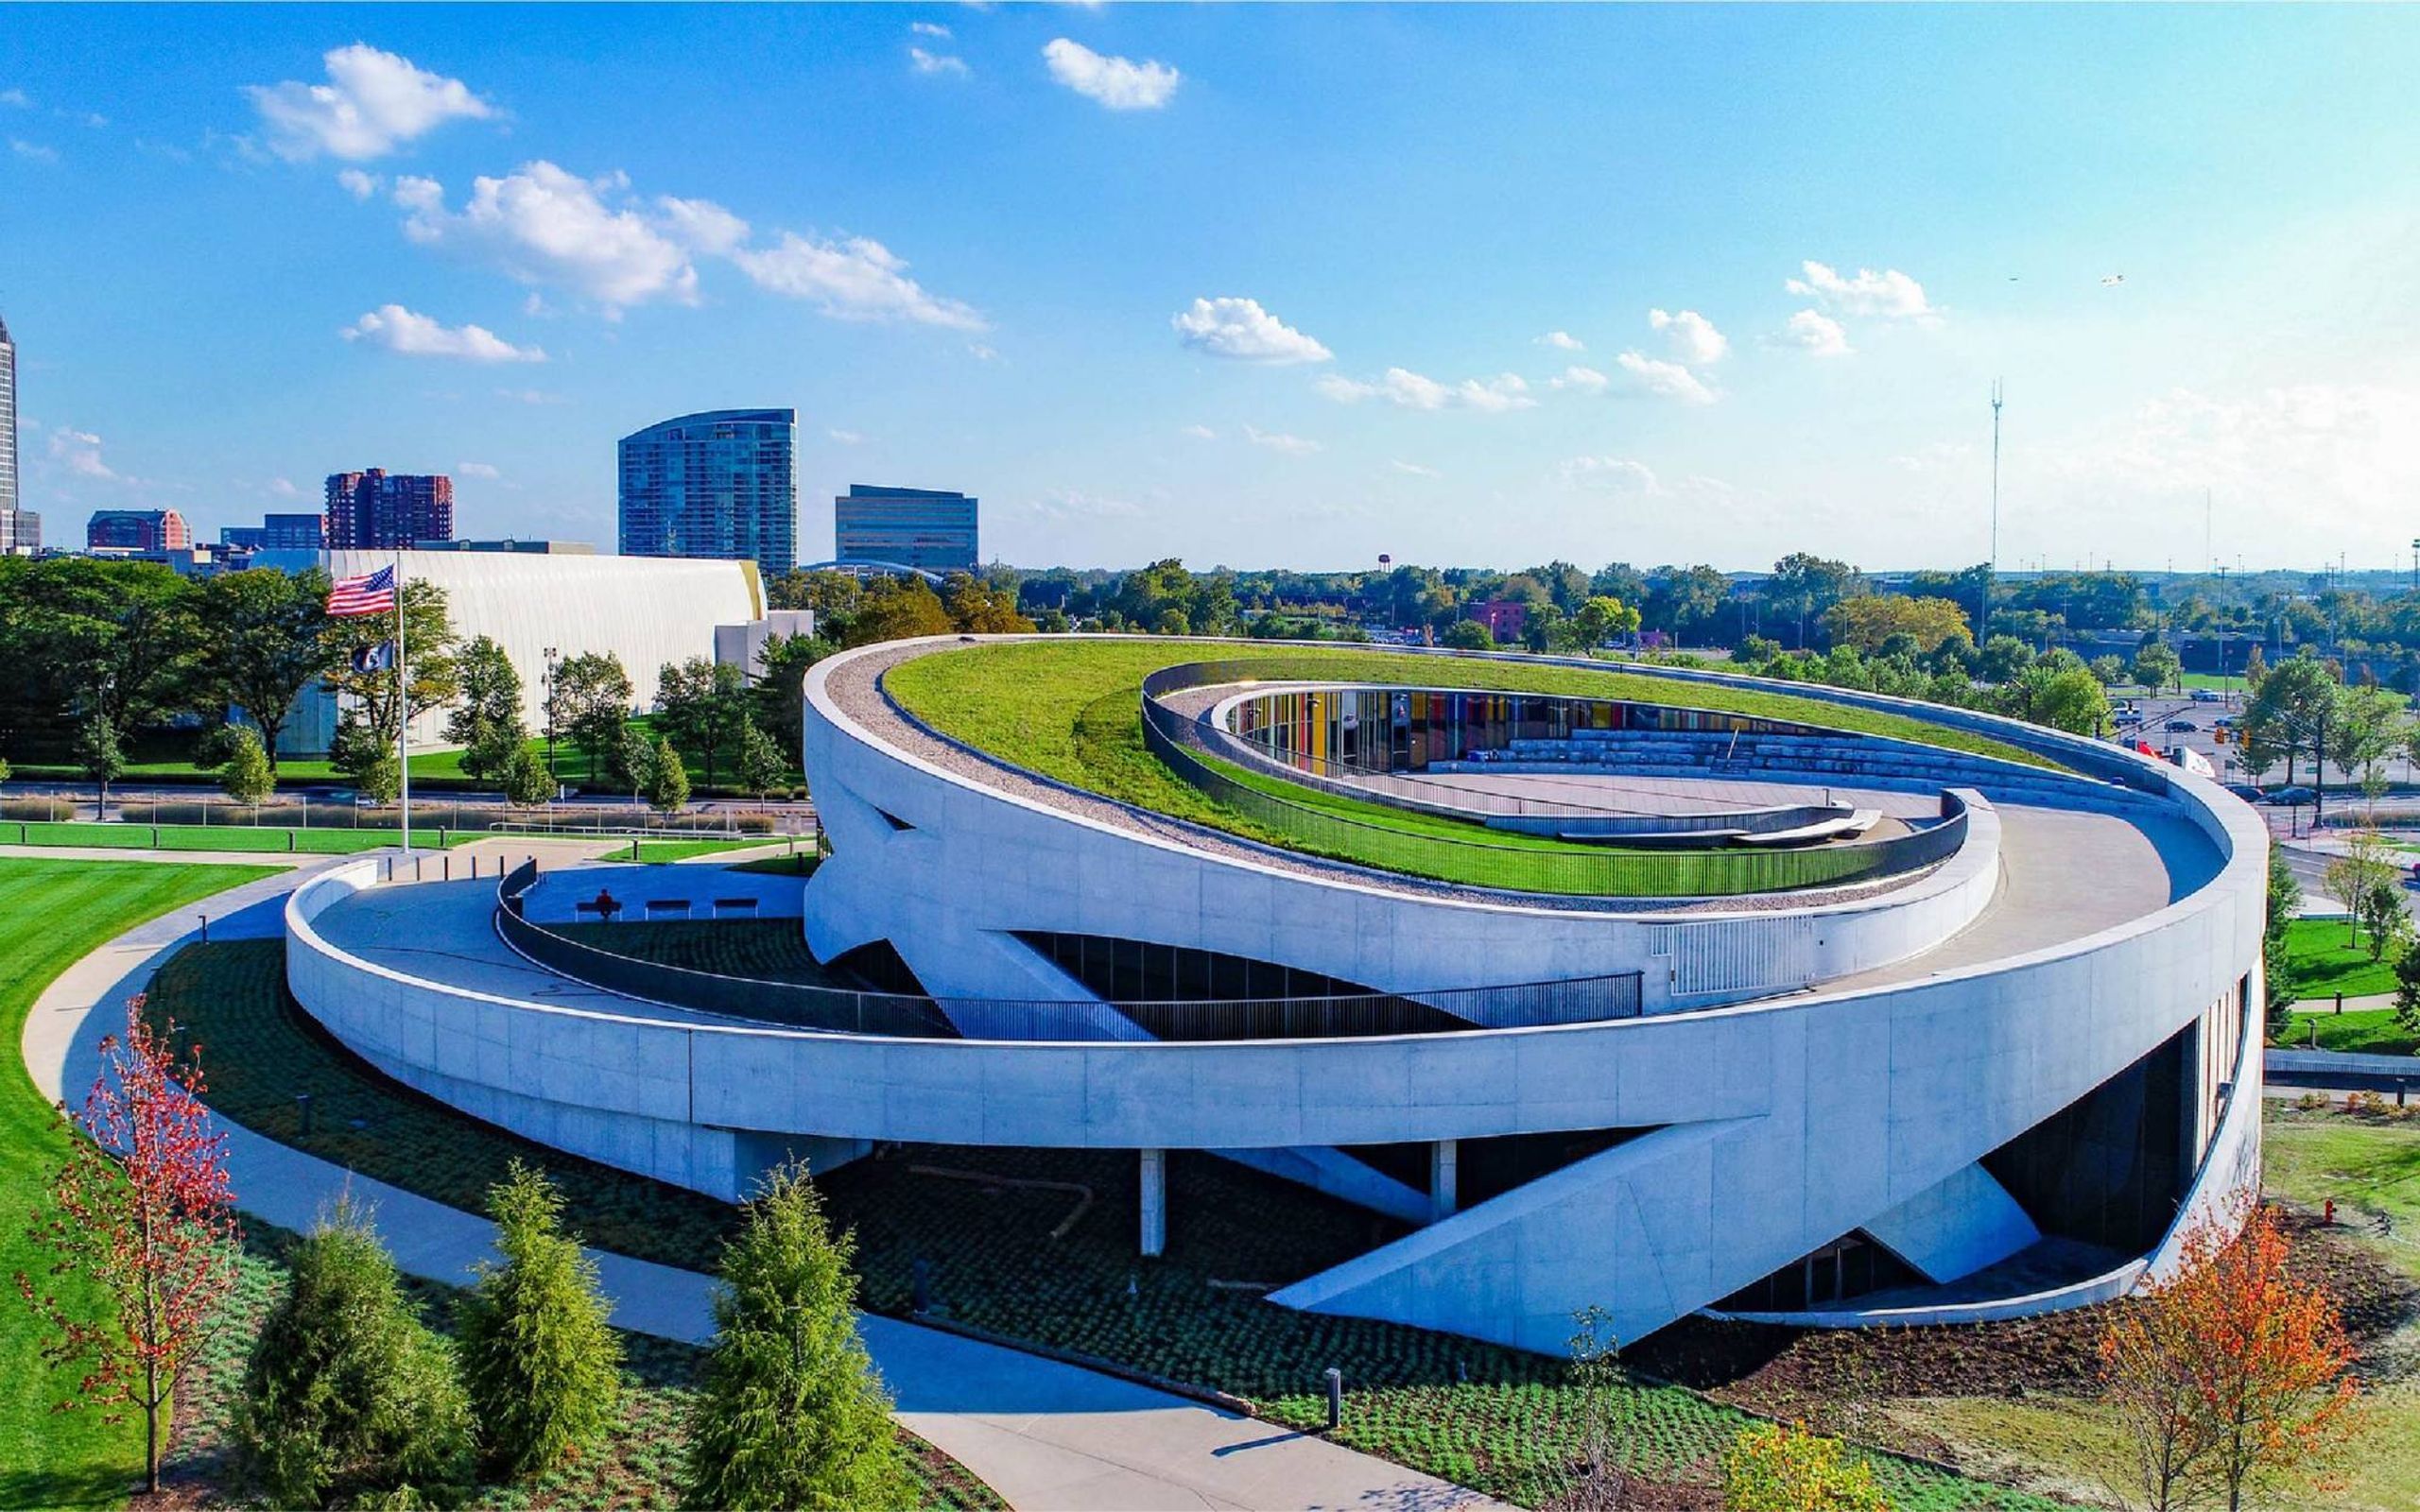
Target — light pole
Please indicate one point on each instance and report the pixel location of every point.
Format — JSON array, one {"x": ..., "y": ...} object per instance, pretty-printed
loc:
[
  {"x": 550, "y": 720},
  {"x": 1992, "y": 565}
]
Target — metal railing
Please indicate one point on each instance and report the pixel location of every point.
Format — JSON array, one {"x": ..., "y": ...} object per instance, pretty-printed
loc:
[
  {"x": 1188, "y": 750},
  {"x": 842, "y": 1010}
]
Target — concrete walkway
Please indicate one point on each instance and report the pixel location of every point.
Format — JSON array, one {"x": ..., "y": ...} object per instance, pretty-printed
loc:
[{"x": 1046, "y": 1437}]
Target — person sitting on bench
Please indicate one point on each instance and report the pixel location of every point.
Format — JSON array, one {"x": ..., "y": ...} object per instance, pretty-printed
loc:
[{"x": 606, "y": 905}]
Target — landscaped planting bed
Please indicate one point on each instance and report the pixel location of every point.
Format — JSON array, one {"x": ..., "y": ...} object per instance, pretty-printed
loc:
[
  {"x": 636, "y": 1464},
  {"x": 1504, "y": 1421},
  {"x": 766, "y": 949}
]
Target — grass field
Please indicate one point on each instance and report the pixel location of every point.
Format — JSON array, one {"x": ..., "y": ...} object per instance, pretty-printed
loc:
[
  {"x": 660, "y": 850},
  {"x": 120, "y": 837},
  {"x": 52, "y": 913},
  {"x": 1070, "y": 710},
  {"x": 1502, "y": 1420},
  {"x": 2328, "y": 962},
  {"x": 2362, "y": 1031}
]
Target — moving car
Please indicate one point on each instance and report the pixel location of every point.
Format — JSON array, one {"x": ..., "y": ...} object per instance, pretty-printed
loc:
[
  {"x": 2290, "y": 795},
  {"x": 2179, "y": 726}
]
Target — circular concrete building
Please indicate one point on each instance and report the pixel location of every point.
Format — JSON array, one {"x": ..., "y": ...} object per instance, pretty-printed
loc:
[{"x": 1651, "y": 989}]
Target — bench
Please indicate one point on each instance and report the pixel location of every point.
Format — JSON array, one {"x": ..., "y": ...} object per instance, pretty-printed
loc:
[
  {"x": 604, "y": 912},
  {"x": 668, "y": 909},
  {"x": 734, "y": 905}
]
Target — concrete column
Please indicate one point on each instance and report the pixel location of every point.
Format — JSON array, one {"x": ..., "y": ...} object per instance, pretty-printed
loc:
[
  {"x": 1155, "y": 1202},
  {"x": 1444, "y": 1159}
]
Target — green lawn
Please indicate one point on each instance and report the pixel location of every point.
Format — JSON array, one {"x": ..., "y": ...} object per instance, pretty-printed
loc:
[
  {"x": 2326, "y": 961},
  {"x": 2363, "y": 1031},
  {"x": 52, "y": 913},
  {"x": 124, "y": 837},
  {"x": 1070, "y": 710},
  {"x": 658, "y": 851}
]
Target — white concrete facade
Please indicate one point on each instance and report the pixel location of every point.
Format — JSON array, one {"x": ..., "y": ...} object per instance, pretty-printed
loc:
[{"x": 1779, "y": 1112}]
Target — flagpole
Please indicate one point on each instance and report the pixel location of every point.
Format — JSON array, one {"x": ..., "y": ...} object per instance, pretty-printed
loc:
[{"x": 403, "y": 708}]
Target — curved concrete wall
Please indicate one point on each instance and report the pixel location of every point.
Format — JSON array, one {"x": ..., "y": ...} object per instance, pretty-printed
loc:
[{"x": 1779, "y": 1125}]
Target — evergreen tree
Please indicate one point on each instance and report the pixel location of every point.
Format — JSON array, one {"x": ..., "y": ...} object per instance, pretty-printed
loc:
[
  {"x": 667, "y": 781},
  {"x": 487, "y": 722},
  {"x": 525, "y": 779},
  {"x": 756, "y": 763},
  {"x": 348, "y": 1393},
  {"x": 543, "y": 1365},
  {"x": 246, "y": 775},
  {"x": 788, "y": 1411}
]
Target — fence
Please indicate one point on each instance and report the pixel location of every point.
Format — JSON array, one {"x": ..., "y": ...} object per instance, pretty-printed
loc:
[
  {"x": 609, "y": 820},
  {"x": 842, "y": 1010},
  {"x": 1187, "y": 749}
]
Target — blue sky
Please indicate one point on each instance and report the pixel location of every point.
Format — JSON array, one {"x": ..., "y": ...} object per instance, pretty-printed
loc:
[{"x": 1253, "y": 285}]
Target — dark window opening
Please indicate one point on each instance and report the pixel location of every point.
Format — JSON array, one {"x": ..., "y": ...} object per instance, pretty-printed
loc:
[
  {"x": 2109, "y": 1168},
  {"x": 893, "y": 820},
  {"x": 1208, "y": 996},
  {"x": 1485, "y": 1168},
  {"x": 879, "y": 965},
  {"x": 1848, "y": 1268}
]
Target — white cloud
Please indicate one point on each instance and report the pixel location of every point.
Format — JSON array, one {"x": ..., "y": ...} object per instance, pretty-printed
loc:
[
  {"x": 363, "y": 186},
  {"x": 1068, "y": 504},
  {"x": 16, "y": 98},
  {"x": 1201, "y": 432},
  {"x": 1405, "y": 389},
  {"x": 1280, "y": 442},
  {"x": 1586, "y": 380},
  {"x": 1416, "y": 470},
  {"x": 32, "y": 152},
  {"x": 925, "y": 62},
  {"x": 1118, "y": 83},
  {"x": 929, "y": 29},
  {"x": 418, "y": 335},
  {"x": 548, "y": 226},
  {"x": 1239, "y": 328},
  {"x": 372, "y": 103},
  {"x": 1620, "y": 474},
  {"x": 1693, "y": 337},
  {"x": 478, "y": 470},
  {"x": 284, "y": 488},
  {"x": 531, "y": 396},
  {"x": 856, "y": 279},
  {"x": 1666, "y": 380},
  {"x": 981, "y": 353},
  {"x": 1812, "y": 331},
  {"x": 1562, "y": 341},
  {"x": 79, "y": 453},
  {"x": 846, "y": 437},
  {"x": 700, "y": 225},
  {"x": 1889, "y": 294}
]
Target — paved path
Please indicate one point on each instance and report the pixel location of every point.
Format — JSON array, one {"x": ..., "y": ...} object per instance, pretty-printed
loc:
[{"x": 1046, "y": 1437}]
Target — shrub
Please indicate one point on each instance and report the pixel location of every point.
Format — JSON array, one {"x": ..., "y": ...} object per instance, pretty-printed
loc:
[
  {"x": 789, "y": 1412},
  {"x": 245, "y": 774},
  {"x": 542, "y": 1362},
  {"x": 348, "y": 1394},
  {"x": 667, "y": 781},
  {"x": 1774, "y": 1469}
]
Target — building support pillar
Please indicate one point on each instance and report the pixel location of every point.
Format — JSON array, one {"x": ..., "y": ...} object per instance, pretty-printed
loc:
[
  {"x": 1444, "y": 1161},
  {"x": 1155, "y": 1202}
]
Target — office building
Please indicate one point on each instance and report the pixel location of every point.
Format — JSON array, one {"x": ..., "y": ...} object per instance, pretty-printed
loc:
[
  {"x": 526, "y": 548},
  {"x": 137, "y": 530},
  {"x": 20, "y": 532},
  {"x": 928, "y": 528},
  {"x": 277, "y": 532},
  {"x": 379, "y": 511},
  {"x": 720, "y": 484},
  {"x": 9, "y": 503}
]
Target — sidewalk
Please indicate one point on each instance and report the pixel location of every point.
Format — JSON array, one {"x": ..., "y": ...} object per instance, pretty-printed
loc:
[{"x": 1046, "y": 1435}]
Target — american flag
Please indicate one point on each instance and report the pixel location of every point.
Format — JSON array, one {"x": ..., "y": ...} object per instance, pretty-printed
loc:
[{"x": 371, "y": 593}]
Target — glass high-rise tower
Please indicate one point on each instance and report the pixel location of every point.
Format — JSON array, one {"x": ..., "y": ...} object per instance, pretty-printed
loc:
[
  {"x": 8, "y": 420},
  {"x": 931, "y": 528},
  {"x": 718, "y": 484}
]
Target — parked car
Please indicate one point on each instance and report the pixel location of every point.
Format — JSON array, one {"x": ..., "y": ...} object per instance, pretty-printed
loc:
[
  {"x": 2129, "y": 718},
  {"x": 2206, "y": 696},
  {"x": 2290, "y": 795},
  {"x": 2180, "y": 725}
]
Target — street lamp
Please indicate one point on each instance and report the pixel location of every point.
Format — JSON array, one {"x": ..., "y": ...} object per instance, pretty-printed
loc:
[{"x": 550, "y": 720}]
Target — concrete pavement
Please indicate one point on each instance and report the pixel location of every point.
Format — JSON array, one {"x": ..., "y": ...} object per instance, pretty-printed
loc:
[{"x": 1045, "y": 1435}]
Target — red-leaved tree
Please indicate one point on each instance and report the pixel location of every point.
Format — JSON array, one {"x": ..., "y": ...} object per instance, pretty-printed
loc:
[{"x": 142, "y": 1212}]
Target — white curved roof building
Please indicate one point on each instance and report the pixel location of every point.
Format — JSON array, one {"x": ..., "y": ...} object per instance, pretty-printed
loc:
[{"x": 1773, "y": 1001}]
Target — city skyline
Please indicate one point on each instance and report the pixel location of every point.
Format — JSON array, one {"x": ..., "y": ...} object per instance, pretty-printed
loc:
[{"x": 1657, "y": 286}]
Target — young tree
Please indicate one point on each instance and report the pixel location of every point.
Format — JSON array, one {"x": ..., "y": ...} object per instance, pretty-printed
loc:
[
  {"x": 348, "y": 1395},
  {"x": 1595, "y": 1370},
  {"x": 2257, "y": 1362},
  {"x": 541, "y": 1363},
  {"x": 757, "y": 764},
  {"x": 525, "y": 779},
  {"x": 487, "y": 722},
  {"x": 1467, "y": 635},
  {"x": 1774, "y": 1469},
  {"x": 246, "y": 775},
  {"x": 592, "y": 704},
  {"x": 2382, "y": 914},
  {"x": 631, "y": 762},
  {"x": 667, "y": 781},
  {"x": 2157, "y": 665},
  {"x": 140, "y": 1212},
  {"x": 780, "y": 688},
  {"x": 788, "y": 1411},
  {"x": 99, "y": 755},
  {"x": 2354, "y": 876},
  {"x": 263, "y": 637}
]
